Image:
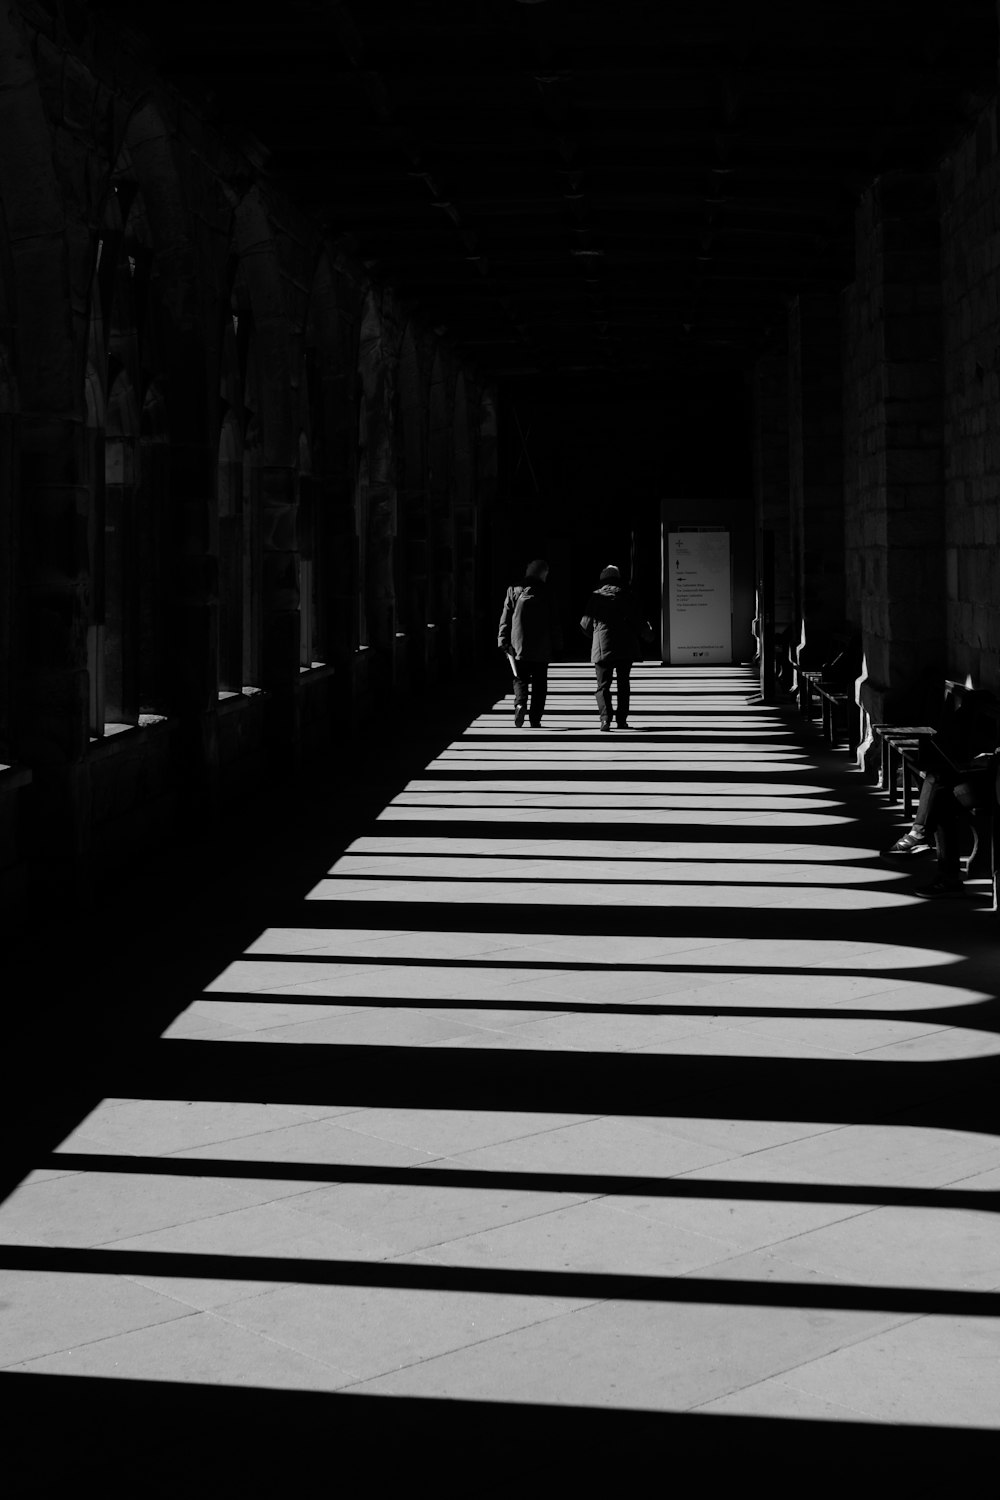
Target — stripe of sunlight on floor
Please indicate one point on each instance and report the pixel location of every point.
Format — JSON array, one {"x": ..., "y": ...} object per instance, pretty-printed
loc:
[{"x": 603, "y": 1071}]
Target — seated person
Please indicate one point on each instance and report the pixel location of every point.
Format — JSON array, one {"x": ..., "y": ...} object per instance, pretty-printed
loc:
[{"x": 945, "y": 807}]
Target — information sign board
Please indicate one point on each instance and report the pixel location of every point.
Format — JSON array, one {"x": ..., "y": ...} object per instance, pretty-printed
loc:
[{"x": 699, "y": 596}]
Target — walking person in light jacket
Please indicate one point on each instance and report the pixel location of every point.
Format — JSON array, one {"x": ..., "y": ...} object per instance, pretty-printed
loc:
[
  {"x": 617, "y": 631},
  {"x": 529, "y": 634}
]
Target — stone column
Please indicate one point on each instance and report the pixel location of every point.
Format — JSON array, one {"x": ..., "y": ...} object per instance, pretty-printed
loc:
[
  {"x": 815, "y": 446},
  {"x": 896, "y": 528},
  {"x": 280, "y": 625},
  {"x": 771, "y": 505}
]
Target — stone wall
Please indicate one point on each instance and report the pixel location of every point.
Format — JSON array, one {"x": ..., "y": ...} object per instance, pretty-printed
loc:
[
  {"x": 970, "y": 198},
  {"x": 916, "y": 395},
  {"x": 217, "y": 504}
]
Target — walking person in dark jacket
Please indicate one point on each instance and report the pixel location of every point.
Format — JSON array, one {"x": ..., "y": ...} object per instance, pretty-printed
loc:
[
  {"x": 617, "y": 631},
  {"x": 529, "y": 634}
]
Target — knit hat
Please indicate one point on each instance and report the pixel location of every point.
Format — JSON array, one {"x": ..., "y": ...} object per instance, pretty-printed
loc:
[
  {"x": 537, "y": 569},
  {"x": 610, "y": 574}
]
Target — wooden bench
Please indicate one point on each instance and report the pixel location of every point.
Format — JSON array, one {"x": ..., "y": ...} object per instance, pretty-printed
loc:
[
  {"x": 831, "y": 687},
  {"x": 899, "y": 746}
]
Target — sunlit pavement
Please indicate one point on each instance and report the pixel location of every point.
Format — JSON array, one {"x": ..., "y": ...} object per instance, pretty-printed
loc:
[{"x": 600, "y": 1071}]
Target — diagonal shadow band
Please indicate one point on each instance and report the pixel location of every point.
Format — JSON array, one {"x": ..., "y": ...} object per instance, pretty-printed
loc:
[
  {"x": 916, "y": 925},
  {"x": 163, "y": 1439},
  {"x": 587, "y": 1286},
  {"x": 952, "y": 1094},
  {"x": 581, "y": 1184}
]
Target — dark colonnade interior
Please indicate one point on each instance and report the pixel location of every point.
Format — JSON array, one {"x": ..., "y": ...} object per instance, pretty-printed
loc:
[{"x": 316, "y": 324}]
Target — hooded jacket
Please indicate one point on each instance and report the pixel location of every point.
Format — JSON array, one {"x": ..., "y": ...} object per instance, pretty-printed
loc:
[{"x": 616, "y": 628}]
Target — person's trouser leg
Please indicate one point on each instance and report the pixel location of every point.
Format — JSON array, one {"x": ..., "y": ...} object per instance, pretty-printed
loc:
[
  {"x": 624, "y": 691},
  {"x": 539, "y": 690},
  {"x": 603, "y": 670},
  {"x": 522, "y": 677},
  {"x": 925, "y": 802}
]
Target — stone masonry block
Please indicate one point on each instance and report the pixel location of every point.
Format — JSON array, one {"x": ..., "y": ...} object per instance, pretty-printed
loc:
[
  {"x": 79, "y": 94},
  {"x": 910, "y": 466}
]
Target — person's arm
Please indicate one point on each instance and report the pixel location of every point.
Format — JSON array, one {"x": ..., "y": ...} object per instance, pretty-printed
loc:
[{"x": 506, "y": 616}]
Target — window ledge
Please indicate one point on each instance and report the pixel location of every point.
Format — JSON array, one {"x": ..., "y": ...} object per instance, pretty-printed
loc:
[
  {"x": 229, "y": 700},
  {"x": 12, "y": 777},
  {"x": 117, "y": 734}
]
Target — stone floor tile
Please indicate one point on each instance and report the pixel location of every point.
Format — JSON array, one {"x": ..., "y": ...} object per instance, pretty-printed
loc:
[
  {"x": 594, "y": 1236},
  {"x": 375, "y": 1330},
  {"x": 915, "y": 1247},
  {"x": 155, "y": 1127},
  {"x": 891, "y": 1155},
  {"x": 448, "y": 1131},
  {"x": 941, "y": 1371},
  {"x": 946, "y": 1044},
  {"x": 367, "y": 1027},
  {"x": 669, "y": 1356},
  {"x": 47, "y": 1312},
  {"x": 765, "y": 1212},
  {"x": 780, "y": 1398},
  {"x": 243, "y": 977},
  {"x": 424, "y": 1217},
  {"x": 272, "y": 1230},
  {"x": 616, "y": 1032},
  {"x": 731, "y": 1136},
  {"x": 850, "y": 1036},
  {"x": 200, "y": 1348},
  {"x": 614, "y": 1146},
  {"x": 97, "y": 1208},
  {"x": 264, "y": 1011}
]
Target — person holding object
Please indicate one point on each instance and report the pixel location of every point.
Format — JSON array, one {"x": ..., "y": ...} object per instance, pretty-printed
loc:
[
  {"x": 529, "y": 634},
  {"x": 946, "y": 805},
  {"x": 618, "y": 632},
  {"x": 959, "y": 769}
]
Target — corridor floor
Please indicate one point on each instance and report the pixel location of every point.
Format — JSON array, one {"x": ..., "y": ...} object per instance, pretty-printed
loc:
[{"x": 596, "y": 1076}]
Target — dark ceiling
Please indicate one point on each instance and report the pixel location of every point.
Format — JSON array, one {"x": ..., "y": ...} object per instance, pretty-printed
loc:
[{"x": 569, "y": 186}]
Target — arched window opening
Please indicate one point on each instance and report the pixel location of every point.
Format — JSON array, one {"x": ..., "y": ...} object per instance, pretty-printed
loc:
[
  {"x": 153, "y": 515},
  {"x": 252, "y": 566},
  {"x": 440, "y": 502},
  {"x": 328, "y": 495},
  {"x": 230, "y": 545},
  {"x": 128, "y": 472},
  {"x": 309, "y": 653},
  {"x": 121, "y": 594},
  {"x": 412, "y": 561},
  {"x": 8, "y": 405},
  {"x": 361, "y": 527},
  {"x": 238, "y": 531}
]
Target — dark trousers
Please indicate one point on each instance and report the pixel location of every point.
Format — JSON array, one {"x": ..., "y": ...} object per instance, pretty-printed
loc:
[
  {"x": 605, "y": 671},
  {"x": 945, "y": 810},
  {"x": 533, "y": 674}
]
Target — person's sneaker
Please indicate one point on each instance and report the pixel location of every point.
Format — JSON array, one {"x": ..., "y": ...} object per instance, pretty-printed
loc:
[
  {"x": 535, "y": 723},
  {"x": 622, "y": 724},
  {"x": 605, "y": 726},
  {"x": 518, "y": 716},
  {"x": 910, "y": 843},
  {"x": 944, "y": 886}
]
